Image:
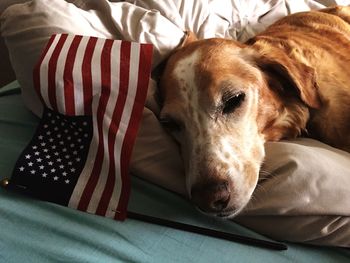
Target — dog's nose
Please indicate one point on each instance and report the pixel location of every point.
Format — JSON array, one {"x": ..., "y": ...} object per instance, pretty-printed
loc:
[{"x": 211, "y": 196}]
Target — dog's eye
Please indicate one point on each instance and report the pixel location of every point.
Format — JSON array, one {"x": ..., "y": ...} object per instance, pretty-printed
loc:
[
  {"x": 170, "y": 124},
  {"x": 233, "y": 103}
]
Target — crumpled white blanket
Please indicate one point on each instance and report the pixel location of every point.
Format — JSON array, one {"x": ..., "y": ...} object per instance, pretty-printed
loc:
[
  {"x": 161, "y": 23},
  {"x": 306, "y": 199}
]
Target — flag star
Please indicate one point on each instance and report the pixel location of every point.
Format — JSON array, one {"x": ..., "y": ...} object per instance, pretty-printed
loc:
[
  {"x": 45, "y": 150},
  {"x": 84, "y": 123},
  {"x": 59, "y": 135},
  {"x": 64, "y": 174},
  {"x": 59, "y": 160},
  {"x": 42, "y": 144},
  {"x": 49, "y": 114},
  {"x": 61, "y": 166},
  {"x": 53, "y": 170},
  {"x": 56, "y": 128},
  {"x": 48, "y": 133},
  {"x": 50, "y": 163},
  {"x": 50, "y": 140},
  {"x": 30, "y": 164},
  {"x": 70, "y": 163},
  {"x": 80, "y": 129},
  {"x": 79, "y": 140},
  {"x": 48, "y": 156},
  {"x": 81, "y": 147},
  {"x": 32, "y": 171},
  {"x": 36, "y": 153},
  {"x": 44, "y": 175},
  {"x": 27, "y": 156},
  {"x": 69, "y": 138},
  {"x": 55, "y": 178},
  {"x": 21, "y": 168},
  {"x": 65, "y": 131},
  {"x": 75, "y": 153},
  {"x": 64, "y": 149},
  {"x": 67, "y": 156},
  {"x": 39, "y": 160},
  {"x": 75, "y": 133},
  {"x": 72, "y": 170},
  {"x": 74, "y": 123},
  {"x": 56, "y": 153},
  {"x": 77, "y": 159},
  {"x": 66, "y": 181},
  {"x": 62, "y": 123},
  {"x": 53, "y": 121},
  {"x": 41, "y": 167},
  {"x": 72, "y": 145},
  {"x": 40, "y": 137},
  {"x": 85, "y": 135},
  {"x": 34, "y": 147},
  {"x": 46, "y": 126},
  {"x": 53, "y": 147},
  {"x": 61, "y": 142}
]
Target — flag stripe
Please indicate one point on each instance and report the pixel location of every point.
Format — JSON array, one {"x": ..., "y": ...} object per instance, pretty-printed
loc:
[
  {"x": 52, "y": 71},
  {"x": 69, "y": 97},
  {"x": 44, "y": 72},
  {"x": 59, "y": 77},
  {"x": 78, "y": 77},
  {"x": 95, "y": 87},
  {"x": 113, "y": 129},
  {"x": 141, "y": 93},
  {"x": 87, "y": 75},
  {"x": 36, "y": 72},
  {"x": 107, "y": 122},
  {"x": 132, "y": 84},
  {"x": 105, "y": 92}
]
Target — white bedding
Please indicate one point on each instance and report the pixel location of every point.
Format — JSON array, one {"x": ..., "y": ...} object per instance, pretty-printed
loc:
[{"x": 299, "y": 202}]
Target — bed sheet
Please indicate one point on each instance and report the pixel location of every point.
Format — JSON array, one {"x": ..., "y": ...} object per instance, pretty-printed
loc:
[{"x": 37, "y": 231}]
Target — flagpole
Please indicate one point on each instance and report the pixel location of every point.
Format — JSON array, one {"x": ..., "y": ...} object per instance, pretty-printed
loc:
[{"x": 208, "y": 232}]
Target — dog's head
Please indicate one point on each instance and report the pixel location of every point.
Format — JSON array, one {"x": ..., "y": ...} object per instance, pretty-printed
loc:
[{"x": 213, "y": 94}]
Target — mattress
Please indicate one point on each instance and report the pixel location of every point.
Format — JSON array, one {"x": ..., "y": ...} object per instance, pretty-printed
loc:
[{"x": 38, "y": 231}]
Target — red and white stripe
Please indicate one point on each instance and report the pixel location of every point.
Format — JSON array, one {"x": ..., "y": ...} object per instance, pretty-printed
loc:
[{"x": 107, "y": 79}]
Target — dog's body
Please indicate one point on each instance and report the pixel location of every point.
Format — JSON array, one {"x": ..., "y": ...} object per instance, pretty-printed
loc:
[{"x": 223, "y": 100}]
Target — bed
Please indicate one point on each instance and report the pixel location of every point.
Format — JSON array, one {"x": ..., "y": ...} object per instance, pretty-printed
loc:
[{"x": 39, "y": 231}]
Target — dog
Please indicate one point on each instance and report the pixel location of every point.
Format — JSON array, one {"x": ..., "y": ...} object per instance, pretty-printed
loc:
[{"x": 222, "y": 100}]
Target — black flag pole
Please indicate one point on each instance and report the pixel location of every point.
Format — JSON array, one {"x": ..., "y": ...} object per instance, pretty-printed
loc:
[{"x": 208, "y": 232}]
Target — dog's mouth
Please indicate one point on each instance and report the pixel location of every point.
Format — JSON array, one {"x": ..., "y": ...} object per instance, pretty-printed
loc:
[
  {"x": 225, "y": 214},
  {"x": 228, "y": 214}
]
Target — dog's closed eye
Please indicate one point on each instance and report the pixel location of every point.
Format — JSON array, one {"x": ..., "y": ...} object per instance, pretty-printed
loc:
[{"x": 232, "y": 102}]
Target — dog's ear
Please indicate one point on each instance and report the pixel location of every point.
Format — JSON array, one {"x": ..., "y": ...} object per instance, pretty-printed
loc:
[
  {"x": 292, "y": 75},
  {"x": 188, "y": 38}
]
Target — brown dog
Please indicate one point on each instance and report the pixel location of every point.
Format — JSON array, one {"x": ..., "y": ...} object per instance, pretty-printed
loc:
[{"x": 222, "y": 100}]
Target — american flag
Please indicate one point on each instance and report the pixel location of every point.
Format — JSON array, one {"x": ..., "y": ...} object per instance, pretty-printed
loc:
[{"x": 93, "y": 91}]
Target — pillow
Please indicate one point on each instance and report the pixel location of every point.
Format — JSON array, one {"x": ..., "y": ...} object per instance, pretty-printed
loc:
[
  {"x": 296, "y": 203},
  {"x": 27, "y": 27},
  {"x": 303, "y": 194}
]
